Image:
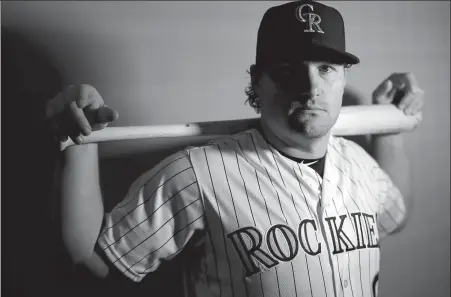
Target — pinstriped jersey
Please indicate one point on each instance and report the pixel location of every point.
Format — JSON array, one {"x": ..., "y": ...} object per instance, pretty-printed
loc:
[{"x": 269, "y": 226}]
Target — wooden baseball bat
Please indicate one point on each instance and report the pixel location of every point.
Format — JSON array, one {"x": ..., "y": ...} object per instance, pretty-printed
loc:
[{"x": 353, "y": 120}]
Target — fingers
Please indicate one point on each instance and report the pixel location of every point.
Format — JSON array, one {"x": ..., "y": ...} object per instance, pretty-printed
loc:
[
  {"x": 87, "y": 95},
  {"x": 100, "y": 117},
  {"x": 413, "y": 99},
  {"x": 401, "y": 89},
  {"x": 79, "y": 122},
  {"x": 411, "y": 83},
  {"x": 77, "y": 112},
  {"x": 79, "y": 118},
  {"x": 106, "y": 114},
  {"x": 384, "y": 93},
  {"x": 73, "y": 123},
  {"x": 406, "y": 102},
  {"x": 416, "y": 106},
  {"x": 84, "y": 95}
]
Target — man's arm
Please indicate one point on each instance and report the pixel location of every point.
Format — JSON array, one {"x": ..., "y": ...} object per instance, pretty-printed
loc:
[
  {"x": 390, "y": 153},
  {"x": 389, "y": 150},
  {"x": 164, "y": 202},
  {"x": 82, "y": 207},
  {"x": 83, "y": 213}
]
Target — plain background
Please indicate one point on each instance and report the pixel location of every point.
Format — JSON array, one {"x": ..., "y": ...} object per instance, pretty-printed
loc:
[{"x": 177, "y": 62}]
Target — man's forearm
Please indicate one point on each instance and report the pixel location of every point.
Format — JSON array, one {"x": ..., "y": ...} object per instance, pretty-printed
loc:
[
  {"x": 389, "y": 151},
  {"x": 82, "y": 205}
]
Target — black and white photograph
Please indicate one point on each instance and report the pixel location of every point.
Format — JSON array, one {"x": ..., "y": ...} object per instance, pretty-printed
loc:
[{"x": 225, "y": 148}]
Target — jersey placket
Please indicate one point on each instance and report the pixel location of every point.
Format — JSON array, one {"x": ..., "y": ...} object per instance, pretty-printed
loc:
[{"x": 328, "y": 209}]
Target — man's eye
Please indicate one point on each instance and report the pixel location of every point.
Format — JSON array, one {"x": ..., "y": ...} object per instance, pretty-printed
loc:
[
  {"x": 283, "y": 73},
  {"x": 326, "y": 68},
  {"x": 287, "y": 71}
]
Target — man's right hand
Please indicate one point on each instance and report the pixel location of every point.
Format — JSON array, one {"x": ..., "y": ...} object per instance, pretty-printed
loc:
[{"x": 77, "y": 111}]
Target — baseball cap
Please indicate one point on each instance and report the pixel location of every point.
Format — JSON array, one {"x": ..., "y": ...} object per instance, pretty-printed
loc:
[{"x": 300, "y": 30}]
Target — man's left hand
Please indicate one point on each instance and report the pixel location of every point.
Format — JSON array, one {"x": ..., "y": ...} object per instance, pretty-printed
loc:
[{"x": 401, "y": 89}]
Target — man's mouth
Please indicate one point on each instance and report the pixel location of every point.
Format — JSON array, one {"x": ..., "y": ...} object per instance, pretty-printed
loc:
[
  {"x": 298, "y": 107},
  {"x": 312, "y": 109}
]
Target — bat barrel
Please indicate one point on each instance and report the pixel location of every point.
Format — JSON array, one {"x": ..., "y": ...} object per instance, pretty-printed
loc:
[{"x": 373, "y": 119}]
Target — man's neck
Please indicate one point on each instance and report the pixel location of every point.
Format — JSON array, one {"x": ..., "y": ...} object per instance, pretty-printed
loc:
[{"x": 301, "y": 147}]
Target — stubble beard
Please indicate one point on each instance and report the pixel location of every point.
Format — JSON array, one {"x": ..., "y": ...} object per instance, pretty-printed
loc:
[{"x": 309, "y": 125}]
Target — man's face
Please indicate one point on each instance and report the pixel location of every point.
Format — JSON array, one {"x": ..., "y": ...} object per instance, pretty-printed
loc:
[{"x": 303, "y": 99}]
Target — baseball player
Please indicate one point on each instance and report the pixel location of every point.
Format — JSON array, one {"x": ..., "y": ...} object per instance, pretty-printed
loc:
[{"x": 285, "y": 209}]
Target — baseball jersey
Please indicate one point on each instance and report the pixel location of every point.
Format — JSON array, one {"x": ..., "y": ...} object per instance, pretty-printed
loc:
[{"x": 265, "y": 224}]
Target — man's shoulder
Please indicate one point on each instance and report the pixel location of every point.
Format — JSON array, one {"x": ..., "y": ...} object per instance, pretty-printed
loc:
[
  {"x": 225, "y": 143},
  {"x": 344, "y": 142},
  {"x": 349, "y": 148},
  {"x": 186, "y": 156}
]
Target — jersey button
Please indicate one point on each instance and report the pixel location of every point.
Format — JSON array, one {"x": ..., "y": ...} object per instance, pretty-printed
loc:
[{"x": 345, "y": 283}]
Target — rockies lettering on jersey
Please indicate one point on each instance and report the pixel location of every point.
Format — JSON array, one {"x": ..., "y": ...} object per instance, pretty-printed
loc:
[
  {"x": 274, "y": 252},
  {"x": 269, "y": 226}
]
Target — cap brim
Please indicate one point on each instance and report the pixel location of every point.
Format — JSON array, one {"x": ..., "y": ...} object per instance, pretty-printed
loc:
[
  {"x": 299, "y": 54},
  {"x": 324, "y": 53}
]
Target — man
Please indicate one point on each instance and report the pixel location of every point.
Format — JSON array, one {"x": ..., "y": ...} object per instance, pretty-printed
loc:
[{"x": 282, "y": 210}]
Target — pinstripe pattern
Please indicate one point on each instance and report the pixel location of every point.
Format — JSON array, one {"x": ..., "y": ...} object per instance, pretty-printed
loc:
[{"x": 273, "y": 227}]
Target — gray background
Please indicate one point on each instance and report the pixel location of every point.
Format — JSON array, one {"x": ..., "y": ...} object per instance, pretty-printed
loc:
[{"x": 174, "y": 62}]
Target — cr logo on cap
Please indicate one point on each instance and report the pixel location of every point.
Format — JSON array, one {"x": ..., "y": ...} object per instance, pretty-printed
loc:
[{"x": 313, "y": 18}]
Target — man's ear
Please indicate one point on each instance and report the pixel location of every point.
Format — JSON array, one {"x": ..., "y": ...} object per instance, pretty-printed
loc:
[
  {"x": 256, "y": 85},
  {"x": 255, "y": 74},
  {"x": 256, "y": 77}
]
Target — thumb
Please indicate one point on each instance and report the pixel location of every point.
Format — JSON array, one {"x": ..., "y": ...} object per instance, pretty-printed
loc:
[
  {"x": 387, "y": 87},
  {"x": 384, "y": 93},
  {"x": 105, "y": 115}
]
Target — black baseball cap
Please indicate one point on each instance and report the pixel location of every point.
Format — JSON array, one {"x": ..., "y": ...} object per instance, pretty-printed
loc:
[{"x": 302, "y": 30}]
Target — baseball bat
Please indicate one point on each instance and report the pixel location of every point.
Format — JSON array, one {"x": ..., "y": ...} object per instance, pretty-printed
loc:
[{"x": 352, "y": 120}]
